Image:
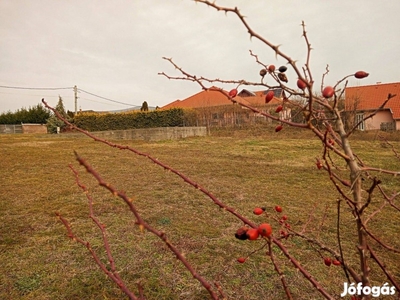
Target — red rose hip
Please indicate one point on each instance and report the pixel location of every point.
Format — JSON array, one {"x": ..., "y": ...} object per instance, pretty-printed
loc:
[
  {"x": 327, "y": 261},
  {"x": 252, "y": 234},
  {"x": 361, "y": 74},
  {"x": 301, "y": 84},
  {"x": 265, "y": 229},
  {"x": 258, "y": 211},
  {"x": 328, "y": 92},
  {"x": 241, "y": 260},
  {"x": 336, "y": 262},
  {"x": 241, "y": 233},
  {"x": 269, "y": 96},
  {"x": 263, "y": 72},
  {"x": 233, "y": 93},
  {"x": 271, "y": 68}
]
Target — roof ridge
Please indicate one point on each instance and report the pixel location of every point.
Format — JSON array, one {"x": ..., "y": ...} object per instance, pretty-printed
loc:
[{"x": 369, "y": 85}]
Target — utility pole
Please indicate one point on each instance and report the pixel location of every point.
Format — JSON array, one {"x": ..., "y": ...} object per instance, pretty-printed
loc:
[{"x": 76, "y": 99}]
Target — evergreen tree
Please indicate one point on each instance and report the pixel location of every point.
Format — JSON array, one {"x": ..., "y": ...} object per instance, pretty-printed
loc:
[
  {"x": 7, "y": 118},
  {"x": 53, "y": 122},
  {"x": 36, "y": 115},
  {"x": 71, "y": 114},
  {"x": 145, "y": 106}
]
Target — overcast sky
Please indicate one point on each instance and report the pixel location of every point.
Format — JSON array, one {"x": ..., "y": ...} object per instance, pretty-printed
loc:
[{"x": 114, "y": 49}]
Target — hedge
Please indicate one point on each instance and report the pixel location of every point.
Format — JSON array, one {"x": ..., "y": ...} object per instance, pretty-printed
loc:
[
  {"x": 36, "y": 115},
  {"x": 137, "y": 119}
]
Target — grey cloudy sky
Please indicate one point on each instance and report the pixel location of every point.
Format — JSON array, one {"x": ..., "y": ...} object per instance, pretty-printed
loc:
[{"x": 114, "y": 48}]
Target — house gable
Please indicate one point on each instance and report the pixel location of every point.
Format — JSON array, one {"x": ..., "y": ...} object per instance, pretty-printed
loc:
[
  {"x": 371, "y": 97},
  {"x": 246, "y": 93},
  {"x": 258, "y": 98},
  {"x": 213, "y": 97},
  {"x": 207, "y": 98},
  {"x": 173, "y": 104}
]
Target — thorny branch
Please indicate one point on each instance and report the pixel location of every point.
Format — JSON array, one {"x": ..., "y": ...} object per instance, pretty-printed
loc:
[
  {"x": 395, "y": 152},
  {"x": 113, "y": 275},
  {"x": 357, "y": 203},
  {"x": 157, "y": 162},
  {"x": 340, "y": 241},
  {"x": 390, "y": 199},
  {"x": 390, "y": 96},
  {"x": 383, "y": 268},
  {"x": 280, "y": 273},
  {"x": 276, "y": 241},
  {"x": 143, "y": 224},
  {"x": 196, "y": 79}
]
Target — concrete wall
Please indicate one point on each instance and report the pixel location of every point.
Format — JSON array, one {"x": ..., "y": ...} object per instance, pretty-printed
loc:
[
  {"x": 23, "y": 128},
  {"x": 153, "y": 134},
  {"x": 34, "y": 128}
]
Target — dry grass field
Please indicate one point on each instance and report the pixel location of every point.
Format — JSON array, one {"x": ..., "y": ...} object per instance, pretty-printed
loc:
[{"x": 244, "y": 169}]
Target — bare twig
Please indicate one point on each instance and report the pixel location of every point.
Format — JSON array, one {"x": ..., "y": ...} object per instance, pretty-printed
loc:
[
  {"x": 145, "y": 225},
  {"x": 113, "y": 275},
  {"x": 370, "y": 191},
  {"x": 340, "y": 241},
  {"x": 281, "y": 275},
  {"x": 390, "y": 96},
  {"x": 383, "y": 268}
]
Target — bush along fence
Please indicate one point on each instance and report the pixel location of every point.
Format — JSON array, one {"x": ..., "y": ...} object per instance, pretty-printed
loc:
[{"x": 138, "y": 119}]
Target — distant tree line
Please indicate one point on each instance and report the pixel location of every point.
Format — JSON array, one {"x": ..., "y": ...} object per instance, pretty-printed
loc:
[
  {"x": 93, "y": 121},
  {"x": 36, "y": 114}
]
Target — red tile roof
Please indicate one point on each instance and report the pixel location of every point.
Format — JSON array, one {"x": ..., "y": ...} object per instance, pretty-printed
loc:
[
  {"x": 258, "y": 98},
  {"x": 370, "y": 97},
  {"x": 173, "y": 104},
  {"x": 213, "y": 97}
]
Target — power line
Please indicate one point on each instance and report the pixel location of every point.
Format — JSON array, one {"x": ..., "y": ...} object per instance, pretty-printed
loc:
[
  {"x": 33, "y": 88},
  {"x": 97, "y": 101},
  {"x": 33, "y": 95},
  {"x": 129, "y": 104},
  {"x": 66, "y": 88}
]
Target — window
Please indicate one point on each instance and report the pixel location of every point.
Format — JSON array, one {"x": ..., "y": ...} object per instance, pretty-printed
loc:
[{"x": 360, "y": 122}]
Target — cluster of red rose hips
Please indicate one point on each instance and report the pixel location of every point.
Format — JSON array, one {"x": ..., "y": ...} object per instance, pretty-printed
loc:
[
  {"x": 245, "y": 233},
  {"x": 328, "y": 262},
  {"x": 271, "y": 69},
  {"x": 327, "y": 92},
  {"x": 263, "y": 230}
]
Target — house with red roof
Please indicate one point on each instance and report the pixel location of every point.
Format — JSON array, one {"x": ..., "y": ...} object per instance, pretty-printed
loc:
[
  {"x": 215, "y": 109},
  {"x": 208, "y": 98},
  {"x": 363, "y": 101}
]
